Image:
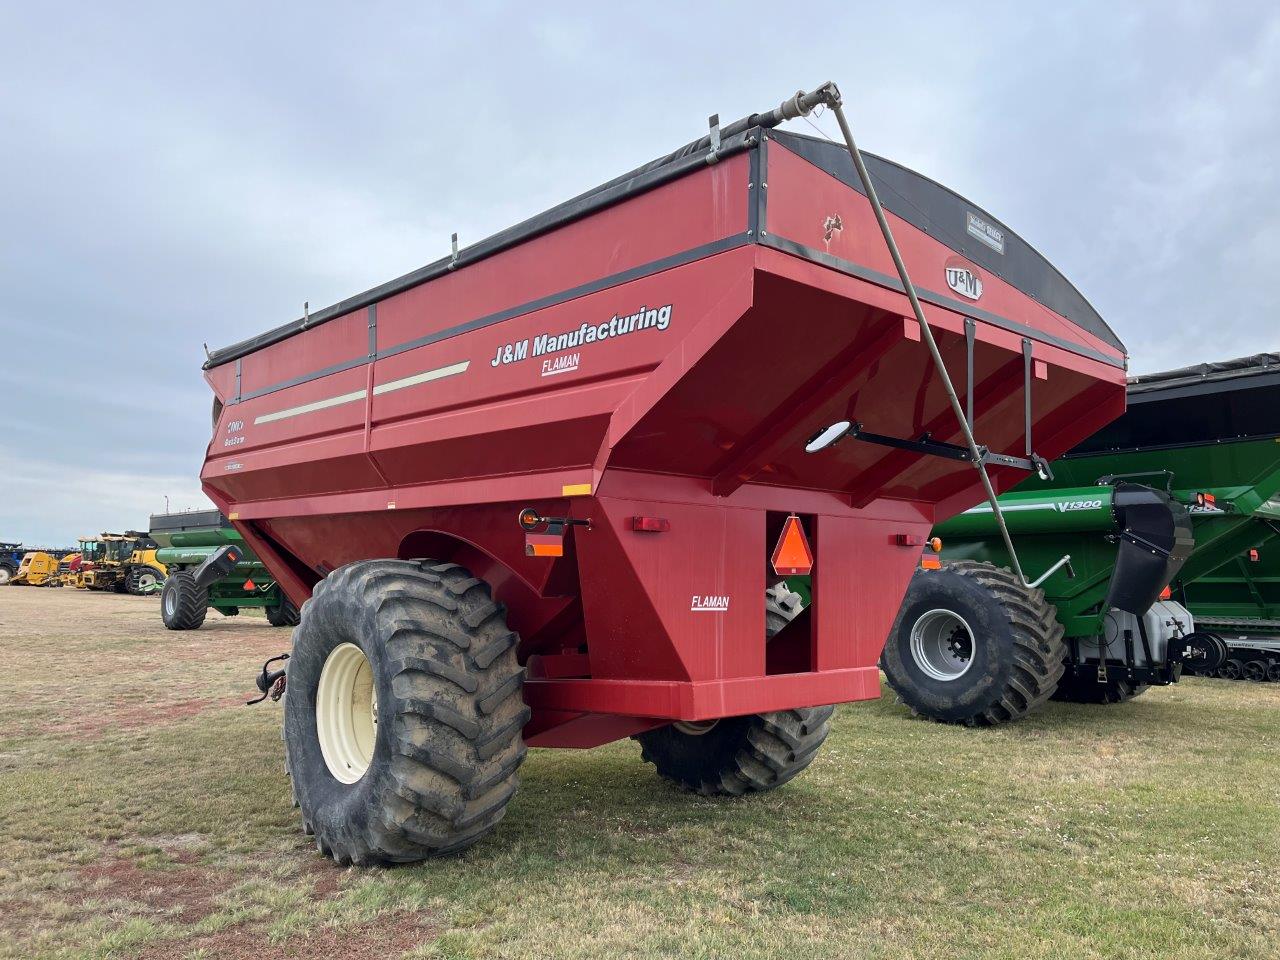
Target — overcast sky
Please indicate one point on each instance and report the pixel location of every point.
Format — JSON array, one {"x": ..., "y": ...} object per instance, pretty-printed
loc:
[{"x": 177, "y": 173}]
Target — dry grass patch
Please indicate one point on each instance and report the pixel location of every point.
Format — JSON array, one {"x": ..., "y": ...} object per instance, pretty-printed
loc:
[{"x": 144, "y": 813}]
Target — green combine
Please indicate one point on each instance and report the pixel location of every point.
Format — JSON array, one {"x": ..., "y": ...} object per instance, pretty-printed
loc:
[
  {"x": 1131, "y": 532},
  {"x": 211, "y": 568}
]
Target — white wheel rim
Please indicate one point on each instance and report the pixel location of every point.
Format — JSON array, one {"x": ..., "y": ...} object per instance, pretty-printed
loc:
[
  {"x": 347, "y": 713},
  {"x": 942, "y": 645},
  {"x": 171, "y": 602},
  {"x": 4, "y": 574},
  {"x": 146, "y": 581}
]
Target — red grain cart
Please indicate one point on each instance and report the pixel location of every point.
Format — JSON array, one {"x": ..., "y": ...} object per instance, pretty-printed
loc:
[{"x": 530, "y": 492}]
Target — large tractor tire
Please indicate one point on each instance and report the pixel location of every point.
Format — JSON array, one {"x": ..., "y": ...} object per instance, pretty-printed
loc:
[
  {"x": 283, "y": 614},
  {"x": 740, "y": 755},
  {"x": 972, "y": 645},
  {"x": 403, "y": 712},
  {"x": 1084, "y": 688},
  {"x": 7, "y": 573},
  {"x": 143, "y": 581},
  {"x": 183, "y": 605}
]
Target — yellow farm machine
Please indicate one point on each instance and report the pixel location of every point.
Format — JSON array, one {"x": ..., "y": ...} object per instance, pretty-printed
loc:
[{"x": 121, "y": 562}]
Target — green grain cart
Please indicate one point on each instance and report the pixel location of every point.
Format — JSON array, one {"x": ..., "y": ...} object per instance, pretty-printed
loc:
[
  {"x": 1241, "y": 601},
  {"x": 1161, "y": 498},
  {"x": 191, "y": 546}
]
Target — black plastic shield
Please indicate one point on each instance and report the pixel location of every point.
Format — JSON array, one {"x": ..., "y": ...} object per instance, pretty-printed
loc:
[{"x": 1155, "y": 541}]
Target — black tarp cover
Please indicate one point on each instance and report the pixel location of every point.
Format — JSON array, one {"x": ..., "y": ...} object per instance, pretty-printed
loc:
[{"x": 1205, "y": 374}]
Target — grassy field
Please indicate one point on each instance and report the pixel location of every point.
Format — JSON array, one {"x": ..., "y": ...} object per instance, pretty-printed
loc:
[{"x": 144, "y": 813}]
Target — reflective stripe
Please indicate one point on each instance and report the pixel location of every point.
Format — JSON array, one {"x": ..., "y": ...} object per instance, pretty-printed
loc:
[
  {"x": 439, "y": 373},
  {"x": 425, "y": 377},
  {"x": 311, "y": 407},
  {"x": 1012, "y": 507}
]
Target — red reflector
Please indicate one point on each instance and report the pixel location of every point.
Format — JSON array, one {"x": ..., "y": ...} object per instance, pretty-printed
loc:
[
  {"x": 792, "y": 556},
  {"x": 908, "y": 540},
  {"x": 1166, "y": 593},
  {"x": 250, "y": 585},
  {"x": 1253, "y": 555},
  {"x": 651, "y": 524}
]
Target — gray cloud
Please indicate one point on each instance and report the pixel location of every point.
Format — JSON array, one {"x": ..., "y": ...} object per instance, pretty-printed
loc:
[{"x": 175, "y": 175}]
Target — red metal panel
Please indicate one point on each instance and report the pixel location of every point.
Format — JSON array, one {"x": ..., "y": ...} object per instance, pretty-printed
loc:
[
  {"x": 679, "y": 605},
  {"x": 859, "y": 582},
  {"x": 670, "y": 219},
  {"x": 223, "y": 381},
  {"x": 705, "y": 700},
  {"x": 496, "y": 402},
  {"x": 802, "y": 197},
  {"x": 340, "y": 340},
  {"x": 294, "y": 442}
]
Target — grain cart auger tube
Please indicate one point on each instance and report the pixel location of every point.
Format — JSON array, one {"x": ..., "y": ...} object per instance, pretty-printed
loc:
[{"x": 545, "y": 491}]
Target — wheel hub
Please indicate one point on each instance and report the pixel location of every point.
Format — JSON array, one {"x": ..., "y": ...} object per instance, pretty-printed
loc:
[
  {"x": 942, "y": 645},
  {"x": 347, "y": 713}
]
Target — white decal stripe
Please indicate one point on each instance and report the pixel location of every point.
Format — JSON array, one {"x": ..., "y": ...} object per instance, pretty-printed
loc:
[
  {"x": 425, "y": 377},
  {"x": 552, "y": 373},
  {"x": 1013, "y": 508},
  {"x": 311, "y": 407}
]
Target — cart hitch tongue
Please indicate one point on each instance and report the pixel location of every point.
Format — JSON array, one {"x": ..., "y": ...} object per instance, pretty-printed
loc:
[{"x": 270, "y": 682}]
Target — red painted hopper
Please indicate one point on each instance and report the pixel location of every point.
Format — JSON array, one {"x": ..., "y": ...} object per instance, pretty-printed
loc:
[{"x": 639, "y": 371}]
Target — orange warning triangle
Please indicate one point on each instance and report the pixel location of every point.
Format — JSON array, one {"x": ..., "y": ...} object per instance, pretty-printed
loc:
[{"x": 792, "y": 556}]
